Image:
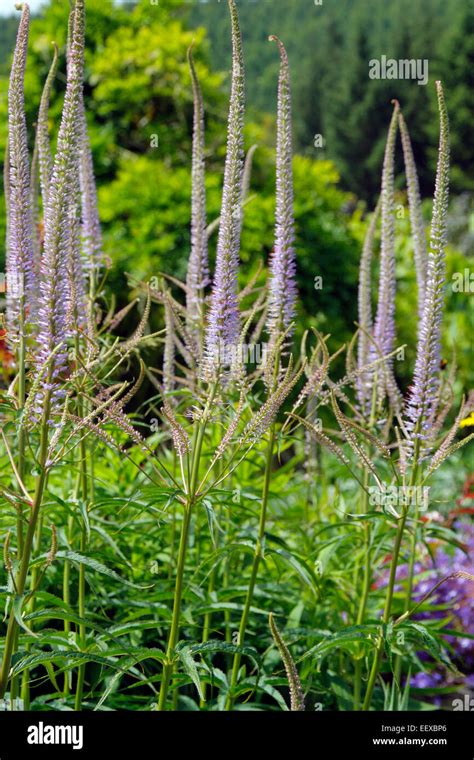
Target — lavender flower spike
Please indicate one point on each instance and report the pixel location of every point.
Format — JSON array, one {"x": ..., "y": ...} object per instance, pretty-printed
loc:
[
  {"x": 91, "y": 232},
  {"x": 282, "y": 291},
  {"x": 364, "y": 390},
  {"x": 416, "y": 217},
  {"x": 423, "y": 399},
  {"x": 56, "y": 285},
  {"x": 384, "y": 327},
  {"x": 44, "y": 148},
  {"x": 198, "y": 267},
  {"x": 223, "y": 327},
  {"x": 21, "y": 285}
]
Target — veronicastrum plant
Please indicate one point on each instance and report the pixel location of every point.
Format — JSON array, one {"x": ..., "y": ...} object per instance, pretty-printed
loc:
[{"x": 238, "y": 409}]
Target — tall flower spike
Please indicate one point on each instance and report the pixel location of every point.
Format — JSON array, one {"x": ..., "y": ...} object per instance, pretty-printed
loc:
[
  {"x": 91, "y": 232},
  {"x": 282, "y": 290},
  {"x": 422, "y": 401},
  {"x": 384, "y": 327},
  {"x": 416, "y": 217},
  {"x": 44, "y": 147},
  {"x": 169, "y": 349},
  {"x": 364, "y": 391},
  {"x": 34, "y": 200},
  {"x": 223, "y": 326},
  {"x": 76, "y": 315},
  {"x": 198, "y": 267},
  {"x": 21, "y": 285},
  {"x": 57, "y": 281}
]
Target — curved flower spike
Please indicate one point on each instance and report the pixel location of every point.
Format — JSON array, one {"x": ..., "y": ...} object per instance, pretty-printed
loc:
[
  {"x": 416, "y": 217},
  {"x": 224, "y": 320},
  {"x": 21, "y": 284}
]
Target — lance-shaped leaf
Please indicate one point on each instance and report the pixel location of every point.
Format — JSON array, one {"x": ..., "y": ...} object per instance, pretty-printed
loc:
[
  {"x": 282, "y": 290},
  {"x": 423, "y": 397},
  {"x": 223, "y": 325},
  {"x": 21, "y": 284}
]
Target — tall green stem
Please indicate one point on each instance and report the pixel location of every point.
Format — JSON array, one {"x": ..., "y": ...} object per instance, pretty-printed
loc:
[
  {"x": 365, "y": 592},
  {"x": 391, "y": 584},
  {"x": 168, "y": 665},
  {"x": 82, "y": 575},
  {"x": 255, "y": 566},
  {"x": 27, "y": 550}
]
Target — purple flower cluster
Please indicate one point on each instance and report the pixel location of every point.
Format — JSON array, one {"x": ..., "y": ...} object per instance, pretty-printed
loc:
[
  {"x": 454, "y": 597},
  {"x": 458, "y": 595}
]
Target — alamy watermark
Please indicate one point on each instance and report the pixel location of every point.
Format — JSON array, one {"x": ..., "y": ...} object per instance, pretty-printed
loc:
[
  {"x": 232, "y": 355},
  {"x": 13, "y": 284},
  {"x": 405, "y": 68},
  {"x": 463, "y": 282},
  {"x": 392, "y": 497}
]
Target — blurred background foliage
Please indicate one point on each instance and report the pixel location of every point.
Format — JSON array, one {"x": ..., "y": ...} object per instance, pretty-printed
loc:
[{"x": 139, "y": 103}]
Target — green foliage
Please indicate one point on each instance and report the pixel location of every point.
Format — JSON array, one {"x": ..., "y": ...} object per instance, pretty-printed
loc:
[{"x": 330, "y": 46}]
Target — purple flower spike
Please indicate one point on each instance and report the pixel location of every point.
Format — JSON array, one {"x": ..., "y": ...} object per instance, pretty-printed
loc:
[
  {"x": 223, "y": 327},
  {"x": 384, "y": 326},
  {"x": 91, "y": 232},
  {"x": 61, "y": 283},
  {"x": 198, "y": 268},
  {"x": 21, "y": 284},
  {"x": 282, "y": 295},
  {"x": 424, "y": 394}
]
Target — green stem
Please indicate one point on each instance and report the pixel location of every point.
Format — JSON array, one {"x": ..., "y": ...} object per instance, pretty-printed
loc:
[
  {"x": 409, "y": 590},
  {"x": 207, "y": 626},
  {"x": 25, "y": 681},
  {"x": 67, "y": 600},
  {"x": 27, "y": 550},
  {"x": 255, "y": 566},
  {"x": 21, "y": 435},
  {"x": 82, "y": 629},
  {"x": 82, "y": 578},
  {"x": 386, "y": 613},
  {"x": 366, "y": 577},
  {"x": 168, "y": 665}
]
